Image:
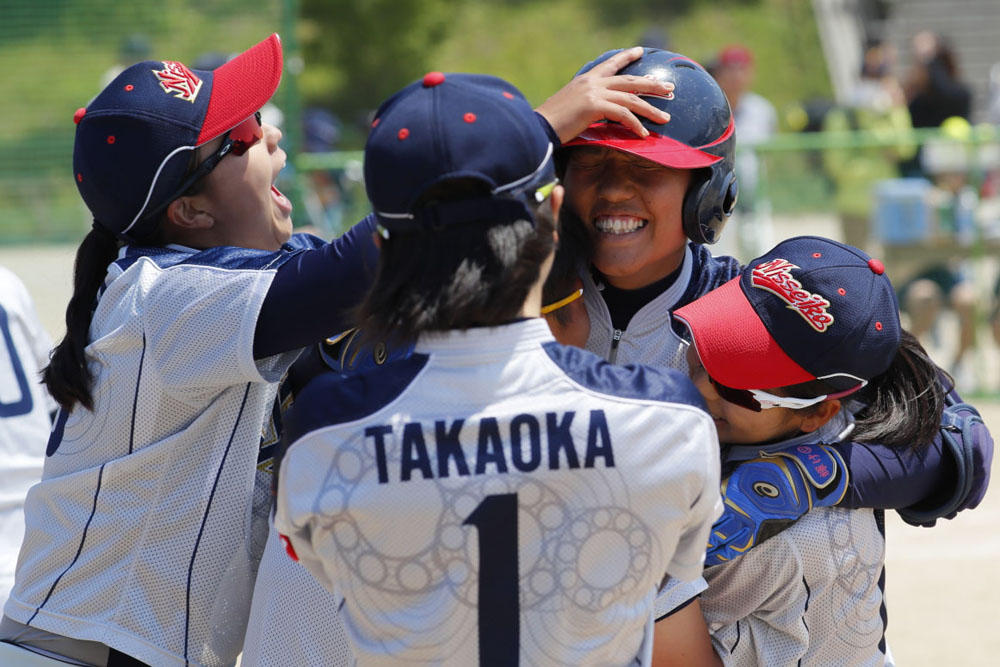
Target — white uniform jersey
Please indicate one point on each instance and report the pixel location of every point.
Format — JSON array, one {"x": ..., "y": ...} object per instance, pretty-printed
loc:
[
  {"x": 498, "y": 496},
  {"x": 811, "y": 595},
  {"x": 293, "y": 619},
  {"x": 24, "y": 414},
  {"x": 139, "y": 535}
]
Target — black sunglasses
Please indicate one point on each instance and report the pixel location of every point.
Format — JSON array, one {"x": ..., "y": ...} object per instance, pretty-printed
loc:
[{"x": 236, "y": 141}]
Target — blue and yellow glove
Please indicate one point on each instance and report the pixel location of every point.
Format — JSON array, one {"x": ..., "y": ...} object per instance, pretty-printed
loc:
[{"x": 763, "y": 496}]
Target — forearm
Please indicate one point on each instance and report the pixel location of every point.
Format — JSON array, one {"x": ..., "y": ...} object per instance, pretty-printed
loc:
[
  {"x": 886, "y": 478},
  {"x": 312, "y": 294}
]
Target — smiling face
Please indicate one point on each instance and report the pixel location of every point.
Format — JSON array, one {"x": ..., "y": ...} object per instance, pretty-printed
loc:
[
  {"x": 247, "y": 210},
  {"x": 632, "y": 209}
]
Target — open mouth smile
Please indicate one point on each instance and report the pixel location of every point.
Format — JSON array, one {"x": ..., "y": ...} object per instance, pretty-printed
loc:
[{"x": 619, "y": 224}]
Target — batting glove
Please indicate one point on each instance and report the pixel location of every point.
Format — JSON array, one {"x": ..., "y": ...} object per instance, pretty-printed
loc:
[{"x": 765, "y": 495}]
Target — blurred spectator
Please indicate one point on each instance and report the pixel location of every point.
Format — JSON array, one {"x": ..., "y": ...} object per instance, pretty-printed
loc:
[
  {"x": 323, "y": 198},
  {"x": 876, "y": 106},
  {"x": 947, "y": 282},
  {"x": 934, "y": 88},
  {"x": 132, "y": 49},
  {"x": 755, "y": 117},
  {"x": 655, "y": 37},
  {"x": 756, "y": 122},
  {"x": 25, "y": 408}
]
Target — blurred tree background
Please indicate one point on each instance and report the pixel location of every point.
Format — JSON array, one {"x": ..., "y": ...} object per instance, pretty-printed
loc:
[
  {"x": 358, "y": 52},
  {"x": 343, "y": 56}
]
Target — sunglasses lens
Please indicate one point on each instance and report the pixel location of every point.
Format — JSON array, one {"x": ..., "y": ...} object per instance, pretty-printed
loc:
[
  {"x": 740, "y": 397},
  {"x": 246, "y": 134}
]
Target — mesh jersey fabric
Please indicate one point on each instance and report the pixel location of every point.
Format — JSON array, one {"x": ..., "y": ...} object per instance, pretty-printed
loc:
[
  {"x": 139, "y": 535},
  {"x": 293, "y": 619},
  {"x": 593, "y": 540},
  {"x": 812, "y": 594},
  {"x": 24, "y": 414}
]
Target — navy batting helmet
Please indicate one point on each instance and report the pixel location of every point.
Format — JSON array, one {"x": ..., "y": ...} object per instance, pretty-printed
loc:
[{"x": 700, "y": 135}]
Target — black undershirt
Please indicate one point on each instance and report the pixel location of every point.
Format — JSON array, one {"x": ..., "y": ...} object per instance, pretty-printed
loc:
[{"x": 623, "y": 304}]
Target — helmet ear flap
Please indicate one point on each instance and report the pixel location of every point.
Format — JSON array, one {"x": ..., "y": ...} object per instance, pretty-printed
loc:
[{"x": 708, "y": 203}]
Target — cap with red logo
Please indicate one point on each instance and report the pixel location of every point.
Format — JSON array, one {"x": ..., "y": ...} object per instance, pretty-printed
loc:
[
  {"x": 134, "y": 140},
  {"x": 810, "y": 309}
]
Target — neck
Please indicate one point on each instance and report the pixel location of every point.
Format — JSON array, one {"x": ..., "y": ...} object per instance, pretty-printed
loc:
[{"x": 532, "y": 306}]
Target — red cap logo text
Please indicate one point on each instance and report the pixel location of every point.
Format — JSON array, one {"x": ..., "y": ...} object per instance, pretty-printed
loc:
[
  {"x": 776, "y": 277},
  {"x": 177, "y": 79}
]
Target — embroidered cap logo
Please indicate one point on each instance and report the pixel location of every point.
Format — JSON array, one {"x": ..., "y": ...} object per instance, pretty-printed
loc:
[
  {"x": 775, "y": 276},
  {"x": 176, "y": 78}
]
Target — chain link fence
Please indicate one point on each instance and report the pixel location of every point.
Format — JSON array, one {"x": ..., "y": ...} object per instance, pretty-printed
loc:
[{"x": 57, "y": 54}]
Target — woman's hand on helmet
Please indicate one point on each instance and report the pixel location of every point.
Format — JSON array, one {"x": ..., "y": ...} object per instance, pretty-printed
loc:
[{"x": 602, "y": 94}]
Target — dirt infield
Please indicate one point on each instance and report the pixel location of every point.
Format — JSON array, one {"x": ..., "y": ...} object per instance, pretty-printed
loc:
[{"x": 940, "y": 581}]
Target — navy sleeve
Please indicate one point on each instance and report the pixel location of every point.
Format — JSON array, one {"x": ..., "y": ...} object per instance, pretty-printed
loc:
[
  {"x": 887, "y": 478},
  {"x": 549, "y": 130},
  {"x": 312, "y": 293}
]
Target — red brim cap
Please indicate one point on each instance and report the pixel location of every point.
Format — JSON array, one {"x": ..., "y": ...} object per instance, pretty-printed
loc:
[
  {"x": 734, "y": 345},
  {"x": 241, "y": 86},
  {"x": 655, "y": 147}
]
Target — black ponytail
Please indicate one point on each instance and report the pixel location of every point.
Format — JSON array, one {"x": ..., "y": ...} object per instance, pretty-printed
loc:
[
  {"x": 905, "y": 403},
  {"x": 68, "y": 376}
]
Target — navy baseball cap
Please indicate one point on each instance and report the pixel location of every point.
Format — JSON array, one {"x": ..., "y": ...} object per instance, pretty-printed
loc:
[
  {"x": 810, "y": 309},
  {"x": 456, "y": 126},
  {"x": 700, "y": 132},
  {"x": 134, "y": 140}
]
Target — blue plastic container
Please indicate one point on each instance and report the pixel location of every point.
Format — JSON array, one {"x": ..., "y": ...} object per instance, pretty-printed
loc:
[{"x": 902, "y": 214}]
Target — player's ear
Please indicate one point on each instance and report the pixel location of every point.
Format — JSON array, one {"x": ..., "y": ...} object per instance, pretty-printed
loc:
[
  {"x": 556, "y": 200},
  {"x": 185, "y": 214},
  {"x": 823, "y": 413}
]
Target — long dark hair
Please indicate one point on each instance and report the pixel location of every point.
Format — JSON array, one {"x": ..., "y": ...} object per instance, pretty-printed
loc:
[
  {"x": 68, "y": 376},
  {"x": 454, "y": 277},
  {"x": 903, "y": 405}
]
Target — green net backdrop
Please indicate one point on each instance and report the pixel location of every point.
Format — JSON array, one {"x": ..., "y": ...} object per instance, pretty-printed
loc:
[{"x": 57, "y": 54}]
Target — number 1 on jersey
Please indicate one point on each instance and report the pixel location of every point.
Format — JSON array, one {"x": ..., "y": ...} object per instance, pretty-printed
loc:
[{"x": 495, "y": 519}]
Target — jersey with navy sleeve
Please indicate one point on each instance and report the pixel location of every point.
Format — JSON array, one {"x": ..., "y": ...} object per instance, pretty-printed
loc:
[
  {"x": 24, "y": 414},
  {"x": 812, "y": 594},
  {"x": 497, "y": 496},
  {"x": 139, "y": 534}
]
